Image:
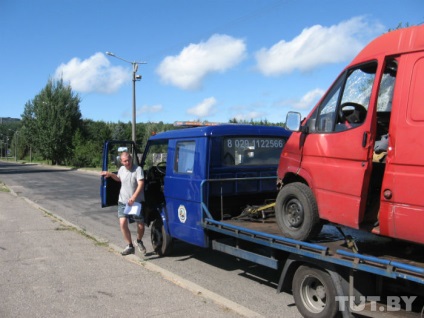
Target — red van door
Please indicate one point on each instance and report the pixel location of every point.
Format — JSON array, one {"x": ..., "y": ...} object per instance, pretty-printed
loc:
[
  {"x": 402, "y": 201},
  {"x": 337, "y": 149}
]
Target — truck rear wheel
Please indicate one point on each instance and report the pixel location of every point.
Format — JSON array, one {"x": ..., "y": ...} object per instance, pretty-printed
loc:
[
  {"x": 161, "y": 240},
  {"x": 296, "y": 212},
  {"x": 314, "y": 293}
]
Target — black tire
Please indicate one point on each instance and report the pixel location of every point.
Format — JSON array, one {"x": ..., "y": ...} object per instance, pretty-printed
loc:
[
  {"x": 296, "y": 212},
  {"x": 161, "y": 240},
  {"x": 314, "y": 293}
]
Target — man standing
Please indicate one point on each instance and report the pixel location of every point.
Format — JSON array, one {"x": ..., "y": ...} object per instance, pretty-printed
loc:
[{"x": 132, "y": 185}]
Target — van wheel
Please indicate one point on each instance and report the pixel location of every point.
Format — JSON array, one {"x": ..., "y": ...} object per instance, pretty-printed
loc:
[
  {"x": 161, "y": 240},
  {"x": 314, "y": 293},
  {"x": 296, "y": 212}
]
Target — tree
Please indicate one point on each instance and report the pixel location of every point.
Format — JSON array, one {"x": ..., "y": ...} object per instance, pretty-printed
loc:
[
  {"x": 8, "y": 133},
  {"x": 88, "y": 143},
  {"x": 121, "y": 131},
  {"x": 399, "y": 26},
  {"x": 51, "y": 120}
]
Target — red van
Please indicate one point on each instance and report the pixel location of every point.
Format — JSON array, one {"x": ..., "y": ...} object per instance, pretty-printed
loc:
[{"x": 357, "y": 159}]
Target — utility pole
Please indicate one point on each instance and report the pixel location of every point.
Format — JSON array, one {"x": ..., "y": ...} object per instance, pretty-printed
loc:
[{"x": 134, "y": 79}]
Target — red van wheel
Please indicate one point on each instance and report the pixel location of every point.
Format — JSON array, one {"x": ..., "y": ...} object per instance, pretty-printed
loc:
[{"x": 296, "y": 212}]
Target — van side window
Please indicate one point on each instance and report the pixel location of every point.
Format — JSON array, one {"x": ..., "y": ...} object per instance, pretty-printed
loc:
[
  {"x": 384, "y": 109},
  {"x": 184, "y": 157},
  {"x": 346, "y": 104},
  {"x": 327, "y": 110},
  {"x": 387, "y": 85}
]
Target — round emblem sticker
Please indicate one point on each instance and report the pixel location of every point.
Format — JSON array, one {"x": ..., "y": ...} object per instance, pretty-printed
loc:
[{"x": 182, "y": 213}]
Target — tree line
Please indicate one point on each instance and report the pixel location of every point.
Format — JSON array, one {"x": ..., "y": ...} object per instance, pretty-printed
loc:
[{"x": 52, "y": 130}]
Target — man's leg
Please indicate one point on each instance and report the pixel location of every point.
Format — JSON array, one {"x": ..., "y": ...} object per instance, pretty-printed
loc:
[
  {"x": 139, "y": 242},
  {"x": 140, "y": 231},
  {"x": 123, "y": 223}
]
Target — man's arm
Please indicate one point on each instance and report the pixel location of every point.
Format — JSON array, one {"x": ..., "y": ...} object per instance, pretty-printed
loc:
[{"x": 108, "y": 174}]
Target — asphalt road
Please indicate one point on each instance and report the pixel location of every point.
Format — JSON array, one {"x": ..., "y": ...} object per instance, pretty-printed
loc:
[{"x": 74, "y": 196}]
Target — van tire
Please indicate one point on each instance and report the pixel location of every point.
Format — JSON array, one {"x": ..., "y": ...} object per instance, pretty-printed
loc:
[
  {"x": 314, "y": 293},
  {"x": 296, "y": 212},
  {"x": 161, "y": 240}
]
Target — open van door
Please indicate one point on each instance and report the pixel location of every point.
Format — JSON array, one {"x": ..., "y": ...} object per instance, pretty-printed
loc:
[
  {"x": 112, "y": 149},
  {"x": 333, "y": 153}
]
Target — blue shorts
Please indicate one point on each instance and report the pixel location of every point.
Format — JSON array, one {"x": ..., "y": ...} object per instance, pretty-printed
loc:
[{"x": 131, "y": 218}]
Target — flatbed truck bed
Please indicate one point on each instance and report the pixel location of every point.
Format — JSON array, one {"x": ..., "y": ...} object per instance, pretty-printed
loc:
[
  {"x": 390, "y": 263},
  {"x": 383, "y": 274}
]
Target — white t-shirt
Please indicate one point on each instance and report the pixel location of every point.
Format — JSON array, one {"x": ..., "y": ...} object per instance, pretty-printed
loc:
[{"x": 129, "y": 183}]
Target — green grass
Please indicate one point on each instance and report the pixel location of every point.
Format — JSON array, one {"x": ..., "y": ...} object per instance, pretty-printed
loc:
[{"x": 3, "y": 187}]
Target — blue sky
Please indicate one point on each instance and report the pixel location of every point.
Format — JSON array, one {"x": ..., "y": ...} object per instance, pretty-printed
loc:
[{"x": 211, "y": 60}]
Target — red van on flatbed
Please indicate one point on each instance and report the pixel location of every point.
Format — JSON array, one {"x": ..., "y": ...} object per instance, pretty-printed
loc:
[{"x": 334, "y": 168}]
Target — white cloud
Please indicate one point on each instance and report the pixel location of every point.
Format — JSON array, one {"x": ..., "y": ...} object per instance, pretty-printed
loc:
[
  {"x": 188, "y": 69},
  {"x": 316, "y": 46},
  {"x": 150, "y": 109},
  {"x": 203, "y": 109},
  {"x": 94, "y": 74},
  {"x": 304, "y": 104},
  {"x": 308, "y": 101}
]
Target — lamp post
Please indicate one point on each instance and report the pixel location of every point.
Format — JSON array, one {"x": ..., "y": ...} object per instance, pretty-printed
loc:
[{"x": 134, "y": 79}]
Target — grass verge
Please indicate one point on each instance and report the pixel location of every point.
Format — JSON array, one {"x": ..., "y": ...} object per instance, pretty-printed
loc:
[{"x": 3, "y": 187}]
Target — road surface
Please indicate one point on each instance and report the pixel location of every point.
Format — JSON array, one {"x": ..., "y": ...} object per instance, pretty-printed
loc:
[{"x": 74, "y": 196}]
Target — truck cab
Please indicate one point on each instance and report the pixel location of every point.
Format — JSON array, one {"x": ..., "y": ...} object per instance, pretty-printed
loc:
[
  {"x": 221, "y": 167},
  {"x": 335, "y": 168}
]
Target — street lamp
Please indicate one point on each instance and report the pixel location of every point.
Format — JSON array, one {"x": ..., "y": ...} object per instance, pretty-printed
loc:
[{"x": 135, "y": 78}]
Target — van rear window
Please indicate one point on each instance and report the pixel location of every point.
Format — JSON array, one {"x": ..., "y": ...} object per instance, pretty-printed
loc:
[{"x": 251, "y": 151}]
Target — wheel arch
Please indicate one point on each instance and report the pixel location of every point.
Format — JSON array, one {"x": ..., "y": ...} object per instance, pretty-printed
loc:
[
  {"x": 163, "y": 215},
  {"x": 292, "y": 177},
  {"x": 161, "y": 239},
  {"x": 338, "y": 274},
  {"x": 296, "y": 177}
]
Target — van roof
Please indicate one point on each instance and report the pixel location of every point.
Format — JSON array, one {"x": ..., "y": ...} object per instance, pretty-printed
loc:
[
  {"x": 223, "y": 130},
  {"x": 394, "y": 42}
]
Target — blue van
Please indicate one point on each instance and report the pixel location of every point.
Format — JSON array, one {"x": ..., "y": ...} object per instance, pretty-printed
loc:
[{"x": 193, "y": 173}]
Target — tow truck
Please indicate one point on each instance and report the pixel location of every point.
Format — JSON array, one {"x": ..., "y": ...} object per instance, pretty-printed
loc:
[{"x": 215, "y": 187}]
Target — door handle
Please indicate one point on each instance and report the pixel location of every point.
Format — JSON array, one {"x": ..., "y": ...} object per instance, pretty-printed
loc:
[{"x": 364, "y": 139}]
